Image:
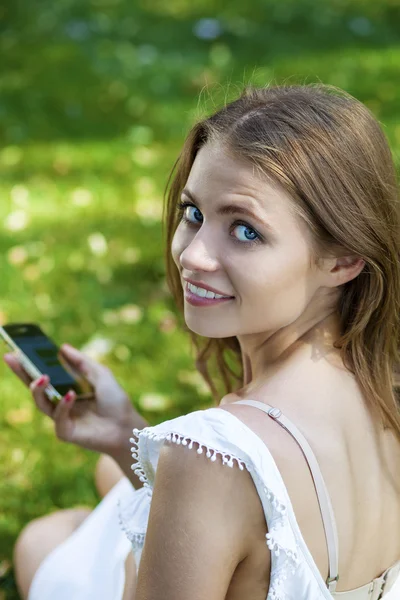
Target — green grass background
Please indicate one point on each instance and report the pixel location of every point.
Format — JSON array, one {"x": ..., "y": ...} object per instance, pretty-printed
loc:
[{"x": 95, "y": 100}]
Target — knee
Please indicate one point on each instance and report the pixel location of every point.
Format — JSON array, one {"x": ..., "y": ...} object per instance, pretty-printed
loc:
[
  {"x": 38, "y": 539},
  {"x": 102, "y": 466},
  {"x": 107, "y": 474},
  {"x": 28, "y": 539},
  {"x": 25, "y": 555},
  {"x": 47, "y": 531}
]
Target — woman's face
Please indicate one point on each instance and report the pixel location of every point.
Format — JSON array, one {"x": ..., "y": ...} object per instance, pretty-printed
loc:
[{"x": 260, "y": 260}]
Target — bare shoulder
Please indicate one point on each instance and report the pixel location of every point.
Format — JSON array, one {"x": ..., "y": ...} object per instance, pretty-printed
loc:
[
  {"x": 270, "y": 432},
  {"x": 200, "y": 488},
  {"x": 197, "y": 469}
]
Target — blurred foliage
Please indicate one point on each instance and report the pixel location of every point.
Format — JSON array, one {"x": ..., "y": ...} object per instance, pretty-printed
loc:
[
  {"x": 95, "y": 100},
  {"x": 78, "y": 70}
]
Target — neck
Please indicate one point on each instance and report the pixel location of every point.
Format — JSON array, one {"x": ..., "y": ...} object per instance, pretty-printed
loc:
[{"x": 265, "y": 354}]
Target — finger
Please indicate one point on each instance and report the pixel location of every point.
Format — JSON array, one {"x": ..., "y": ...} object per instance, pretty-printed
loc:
[
  {"x": 88, "y": 367},
  {"x": 39, "y": 395},
  {"x": 62, "y": 416},
  {"x": 12, "y": 361},
  {"x": 41, "y": 400}
]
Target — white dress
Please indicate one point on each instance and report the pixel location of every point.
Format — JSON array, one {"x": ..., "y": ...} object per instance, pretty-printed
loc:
[{"x": 89, "y": 565}]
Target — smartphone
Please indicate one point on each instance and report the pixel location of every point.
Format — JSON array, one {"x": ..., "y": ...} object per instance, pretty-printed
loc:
[{"x": 39, "y": 355}]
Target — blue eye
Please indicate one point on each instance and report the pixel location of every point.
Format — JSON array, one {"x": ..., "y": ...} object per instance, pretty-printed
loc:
[
  {"x": 195, "y": 213},
  {"x": 249, "y": 234},
  {"x": 190, "y": 214}
]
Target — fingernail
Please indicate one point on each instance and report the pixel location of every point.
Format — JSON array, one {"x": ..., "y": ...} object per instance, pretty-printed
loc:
[
  {"x": 42, "y": 380},
  {"x": 68, "y": 397}
]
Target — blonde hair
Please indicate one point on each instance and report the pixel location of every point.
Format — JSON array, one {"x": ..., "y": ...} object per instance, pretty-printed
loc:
[{"x": 327, "y": 150}]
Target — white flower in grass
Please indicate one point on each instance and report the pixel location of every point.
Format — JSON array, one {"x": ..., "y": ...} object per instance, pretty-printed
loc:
[
  {"x": 31, "y": 273},
  {"x": 17, "y": 255},
  {"x": 17, "y": 455},
  {"x": 98, "y": 347},
  {"x": 16, "y": 221},
  {"x": 154, "y": 402},
  {"x": 131, "y": 255},
  {"x": 81, "y": 197},
  {"x": 130, "y": 313},
  {"x": 20, "y": 196},
  {"x": 98, "y": 244},
  {"x": 144, "y": 157},
  {"x": 194, "y": 379},
  {"x": 110, "y": 317},
  {"x": 149, "y": 209},
  {"x": 145, "y": 186}
]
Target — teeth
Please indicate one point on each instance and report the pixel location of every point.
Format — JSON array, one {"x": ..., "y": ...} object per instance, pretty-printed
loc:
[{"x": 202, "y": 292}]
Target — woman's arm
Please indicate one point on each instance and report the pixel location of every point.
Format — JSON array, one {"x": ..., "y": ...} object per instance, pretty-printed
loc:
[{"x": 199, "y": 527}]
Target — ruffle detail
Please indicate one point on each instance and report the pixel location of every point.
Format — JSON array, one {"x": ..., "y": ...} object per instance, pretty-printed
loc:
[
  {"x": 280, "y": 539},
  {"x": 137, "y": 466},
  {"x": 211, "y": 453},
  {"x": 136, "y": 539},
  {"x": 133, "y": 516},
  {"x": 141, "y": 469},
  {"x": 278, "y": 543}
]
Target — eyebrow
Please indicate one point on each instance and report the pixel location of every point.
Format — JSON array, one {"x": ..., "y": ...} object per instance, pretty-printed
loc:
[{"x": 231, "y": 209}]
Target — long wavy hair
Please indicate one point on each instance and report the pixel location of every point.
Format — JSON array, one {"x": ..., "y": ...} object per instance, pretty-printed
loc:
[{"x": 327, "y": 150}]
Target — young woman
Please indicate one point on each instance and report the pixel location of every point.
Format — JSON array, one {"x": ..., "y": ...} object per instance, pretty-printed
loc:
[{"x": 282, "y": 233}]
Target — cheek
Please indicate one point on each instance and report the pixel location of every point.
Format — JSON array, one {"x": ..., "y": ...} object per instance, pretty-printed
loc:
[
  {"x": 272, "y": 283},
  {"x": 177, "y": 246}
]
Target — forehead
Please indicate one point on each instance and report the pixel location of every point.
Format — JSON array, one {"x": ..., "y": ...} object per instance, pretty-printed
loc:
[
  {"x": 218, "y": 175},
  {"x": 215, "y": 163}
]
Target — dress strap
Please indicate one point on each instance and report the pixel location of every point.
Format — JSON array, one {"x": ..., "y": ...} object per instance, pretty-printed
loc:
[
  {"x": 376, "y": 589},
  {"x": 325, "y": 504}
]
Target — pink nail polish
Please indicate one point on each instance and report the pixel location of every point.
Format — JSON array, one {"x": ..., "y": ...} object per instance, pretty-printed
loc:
[
  {"x": 68, "y": 397},
  {"x": 41, "y": 380}
]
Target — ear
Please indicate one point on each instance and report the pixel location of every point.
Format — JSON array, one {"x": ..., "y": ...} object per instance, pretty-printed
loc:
[{"x": 342, "y": 269}]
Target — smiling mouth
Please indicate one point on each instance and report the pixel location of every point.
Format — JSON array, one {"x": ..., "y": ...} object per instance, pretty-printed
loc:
[{"x": 203, "y": 293}]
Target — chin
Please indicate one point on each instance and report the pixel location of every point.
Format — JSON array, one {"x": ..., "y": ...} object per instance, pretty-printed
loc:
[{"x": 207, "y": 329}]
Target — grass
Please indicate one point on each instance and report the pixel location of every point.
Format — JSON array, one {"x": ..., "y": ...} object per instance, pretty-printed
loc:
[{"x": 91, "y": 124}]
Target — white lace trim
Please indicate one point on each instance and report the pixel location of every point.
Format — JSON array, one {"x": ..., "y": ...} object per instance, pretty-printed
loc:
[
  {"x": 126, "y": 515},
  {"x": 279, "y": 538}
]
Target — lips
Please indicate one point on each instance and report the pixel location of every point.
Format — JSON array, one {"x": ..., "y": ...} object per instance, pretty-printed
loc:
[
  {"x": 202, "y": 301},
  {"x": 209, "y": 288}
]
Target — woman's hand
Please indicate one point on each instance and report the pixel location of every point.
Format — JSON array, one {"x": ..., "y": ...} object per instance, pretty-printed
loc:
[{"x": 104, "y": 423}]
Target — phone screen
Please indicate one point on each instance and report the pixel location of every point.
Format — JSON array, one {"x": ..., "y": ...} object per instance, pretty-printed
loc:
[{"x": 46, "y": 356}]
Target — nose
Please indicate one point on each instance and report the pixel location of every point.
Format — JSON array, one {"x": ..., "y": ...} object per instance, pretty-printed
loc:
[{"x": 197, "y": 256}]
